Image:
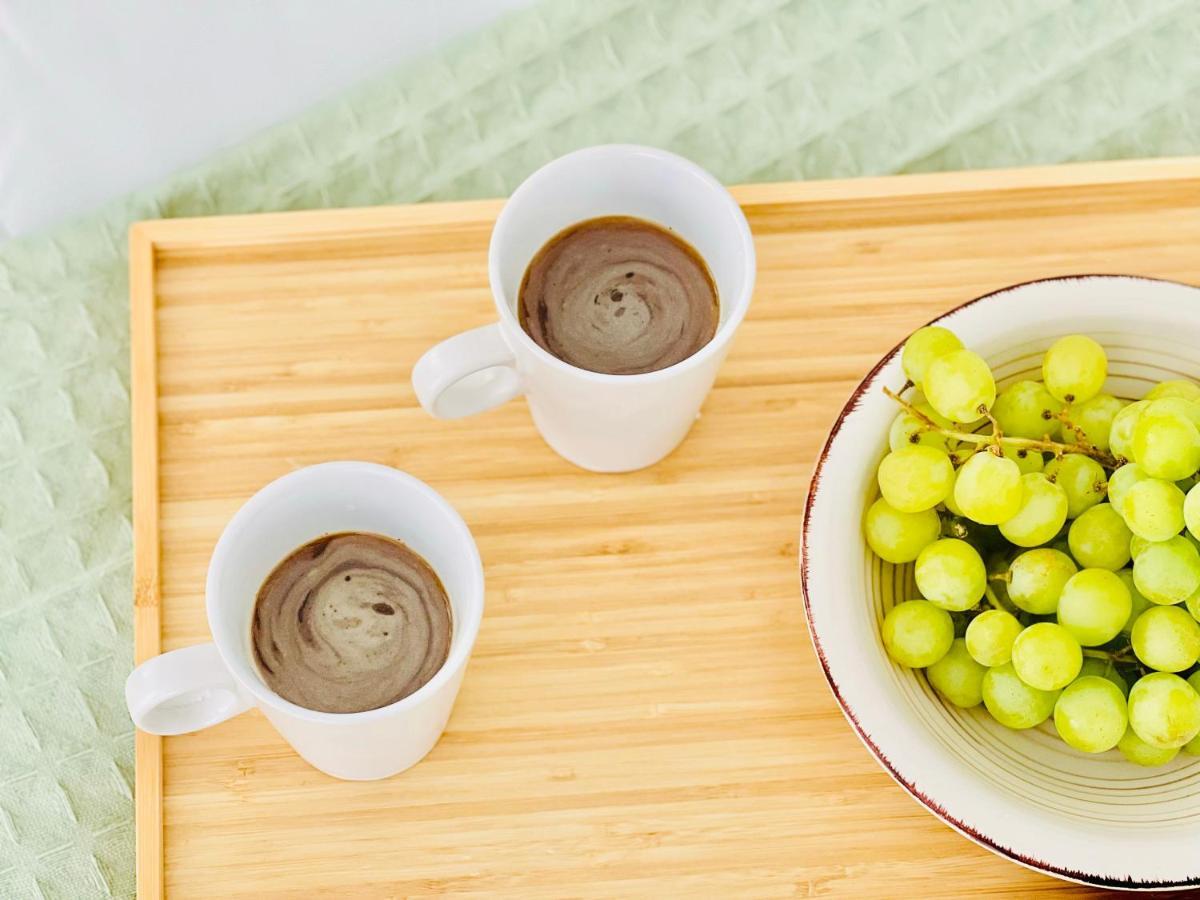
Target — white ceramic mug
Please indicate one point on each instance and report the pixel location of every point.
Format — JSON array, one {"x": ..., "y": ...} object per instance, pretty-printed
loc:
[
  {"x": 606, "y": 423},
  {"x": 193, "y": 688}
]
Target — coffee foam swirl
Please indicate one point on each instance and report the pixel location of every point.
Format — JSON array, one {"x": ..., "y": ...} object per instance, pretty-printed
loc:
[
  {"x": 618, "y": 295},
  {"x": 350, "y": 622}
]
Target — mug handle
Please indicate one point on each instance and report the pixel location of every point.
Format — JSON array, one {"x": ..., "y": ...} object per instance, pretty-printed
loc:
[
  {"x": 184, "y": 690},
  {"x": 467, "y": 374}
]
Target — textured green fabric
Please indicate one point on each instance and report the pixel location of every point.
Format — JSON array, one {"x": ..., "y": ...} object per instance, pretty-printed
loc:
[{"x": 759, "y": 90}]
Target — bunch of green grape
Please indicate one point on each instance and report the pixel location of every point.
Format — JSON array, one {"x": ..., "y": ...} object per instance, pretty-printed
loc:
[{"x": 1053, "y": 531}]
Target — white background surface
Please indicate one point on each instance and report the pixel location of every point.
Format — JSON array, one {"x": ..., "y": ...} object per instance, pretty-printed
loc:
[{"x": 99, "y": 97}]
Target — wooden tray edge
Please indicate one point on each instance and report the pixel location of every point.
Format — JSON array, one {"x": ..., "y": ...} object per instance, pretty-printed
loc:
[{"x": 147, "y": 611}]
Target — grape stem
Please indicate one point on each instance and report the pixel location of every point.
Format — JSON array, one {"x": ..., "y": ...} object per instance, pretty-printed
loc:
[
  {"x": 1119, "y": 656},
  {"x": 968, "y": 437}
]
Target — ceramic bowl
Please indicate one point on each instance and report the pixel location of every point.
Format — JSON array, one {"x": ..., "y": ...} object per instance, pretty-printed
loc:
[{"x": 1024, "y": 795}]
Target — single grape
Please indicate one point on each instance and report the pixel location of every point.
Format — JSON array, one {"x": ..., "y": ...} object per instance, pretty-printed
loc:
[
  {"x": 1103, "y": 669},
  {"x": 949, "y": 502},
  {"x": 1166, "y": 639},
  {"x": 1046, "y": 656},
  {"x": 1099, "y": 538},
  {"x": 1081, "y": 477},
  {"x": 908, "y": 430},
  {"x": 1036, "y": 579},
  {"x": 1165, "y": 443},
  {"x": 1093, "y": 420},
  {"x": 1134, "y": 749},
  {"x": 899, "y": 537},
  {"x": 1164, "y": 710},
  {"x": 1091, "y": 715},
  {"x": 1188, "y": 409},
  {"x": 1043, "y": 512},
  {"x": 1120, "y": 481},
  {"x": 1193, "y": 746},
  {"x": 1140, "y": 603},
  {"x": 1094, "y": 606},
  {"x": 1177, "y": 387},
  {"x": 1168, "y": 572},
  {"x": 1191, "y": 511},
  {"x": 988, "y": 489},
  {"x": 959, "y": 385},
  {"x": 924, "y": 346},
  {"x": 917, "y": 634},
  {"x": 1074, "y": 368},
  {"x": 1026, "y": 409},
  {"x": 915, "y": 478},
  {"x": 1153, "y": 509},
  {"x": 950, "y": 574},
  {"x": 1027, "y": 460},
  {"x": 958, "y": 677},
  {"x": 1120, "y": 436},
  {"x": 990, "y": 637},
  {"x": 1012, "y": 702}
]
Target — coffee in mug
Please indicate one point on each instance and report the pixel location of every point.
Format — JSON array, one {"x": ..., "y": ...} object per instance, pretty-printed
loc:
[
  {"x": 618, "y": 295},
  {"x": 350, "y": 622}
]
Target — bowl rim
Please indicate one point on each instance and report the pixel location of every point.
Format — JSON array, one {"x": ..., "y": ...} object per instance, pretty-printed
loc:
[{"x": 851, "y": 717}]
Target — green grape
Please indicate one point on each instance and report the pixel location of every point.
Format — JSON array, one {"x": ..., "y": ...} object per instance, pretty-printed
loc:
[
  {"x": 924, "y": 346},
  {"x": 1177, "y": 387},
  {"x": 1036, "y": 579},
  {"x": 1191, "y": 511},
  {"x": 1094, "y": 606},
  {"x": 1074, "y": 368},
  {"x": 1153, "y": 509},
  {"x": 1100, "y": 539},
  {"x": 1134, "y": 749},
  {"x": 1193, "y": 746},
  {"x": 1026, "y": 409},
  {"x": 1164, "y": 710},
  {"x": 1093, "y": 420},
  {"x": 950, "y": 574},
  {"x": 1188, "y": 409},
  {"x": 1043, "y": 512},
  {"x": 917, "y": 634},
  {"x": 1012, "y": 702},
  {"x": 915, "y": 478},
  {"x": 1091, "y": 715},
  {"x": 959, "y": 385},
  {"x": 988, "y": 489},
  {"x": 1168, "y": 572},
  {"x": 899, "y": 537},
  {"x": 1027, "y": 460},
  {"x": 1081, "y": 477},
  {"x": 1165, "y": 443},
  {"x": 1046, "y": 656},
  {"x": 957, "y": 677},
  {"x": 1120, "y": 436},
  {"x": 1166, "y": 639},
  {"x": 990, "y": 637},
  {"x": 908, "y": 430},
  {"x": 1120, "y": 481},
  {"x": 1140, "y": 603},
  {"x": 1103, "y": 669}
]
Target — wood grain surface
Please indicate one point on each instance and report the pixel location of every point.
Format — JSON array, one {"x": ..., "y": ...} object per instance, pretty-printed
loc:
[{"x": 643, "y": 714}]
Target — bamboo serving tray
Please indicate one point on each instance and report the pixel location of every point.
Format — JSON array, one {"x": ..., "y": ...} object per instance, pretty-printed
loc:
[{"x": 643, "y": 714}]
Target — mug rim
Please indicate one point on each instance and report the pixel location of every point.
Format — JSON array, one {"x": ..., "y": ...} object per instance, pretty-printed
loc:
[
  {"x": 725, "y": 330},
  {"x": 267, "y": 494}
]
